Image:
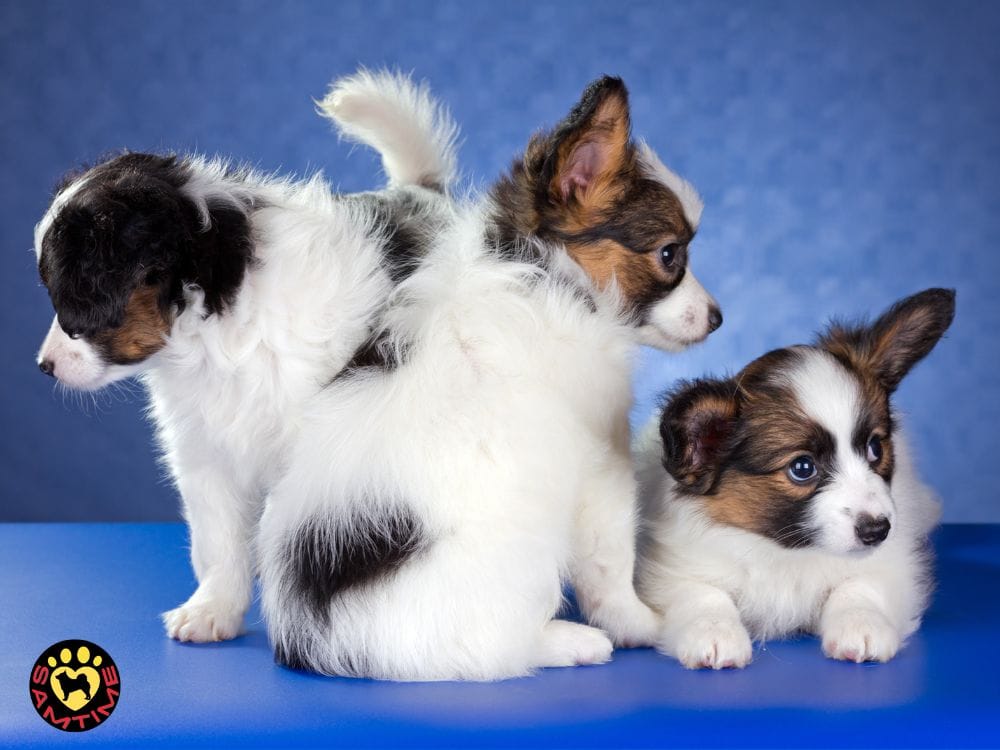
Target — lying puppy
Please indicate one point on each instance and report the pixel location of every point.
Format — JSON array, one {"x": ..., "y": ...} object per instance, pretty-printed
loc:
[
  {"x": 236, "y": 297},
  {"x": 436, "y": 499},
  {"x": 791, "y": 502}
]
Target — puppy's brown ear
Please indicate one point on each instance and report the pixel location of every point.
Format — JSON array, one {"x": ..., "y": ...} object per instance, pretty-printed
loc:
[
  {"x": 905, "y": 334},
  {"x": 697, "y": 427},
  {"x": 590, "y": 147}
]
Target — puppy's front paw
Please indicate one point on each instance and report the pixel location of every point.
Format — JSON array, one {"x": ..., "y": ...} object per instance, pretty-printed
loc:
[
  {"x": 707, "y": 643},
  {"x": 627, "y": 620},
  {"x": 569, "y": 644},
  {"x": 860, "y": 635},
  {"x": 204, "y": 622}
]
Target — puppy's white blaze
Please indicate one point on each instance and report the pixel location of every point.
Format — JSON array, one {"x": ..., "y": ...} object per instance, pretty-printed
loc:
[
  {"x": 690, "y": 200},
  {"x": 827, "y": 393},
  {"x": 43, "y": 226},
  {"x": 679, "y": 319},
  {"x": 830, "y": 395}
]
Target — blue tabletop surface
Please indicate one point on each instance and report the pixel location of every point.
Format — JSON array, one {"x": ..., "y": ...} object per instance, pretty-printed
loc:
[{"x": 107, "y": 583}]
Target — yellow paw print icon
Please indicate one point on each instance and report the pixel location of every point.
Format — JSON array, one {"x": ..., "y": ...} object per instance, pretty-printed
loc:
[{"x": 75, "y": 687}]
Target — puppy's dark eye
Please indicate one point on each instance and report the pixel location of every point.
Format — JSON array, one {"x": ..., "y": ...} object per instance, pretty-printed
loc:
[
  {"x": 802, "y": 469},
  {"x": 668, "y": 254},
  {"x": 874, "y": 449}
]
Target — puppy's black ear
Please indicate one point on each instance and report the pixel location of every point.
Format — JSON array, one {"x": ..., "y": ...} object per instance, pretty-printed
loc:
[
  {"x": 697, "y": 427},
  {"x": 100, "y": 249},
  {"x": 906, "y": 333},
  {"x": 590, "y": 147}
]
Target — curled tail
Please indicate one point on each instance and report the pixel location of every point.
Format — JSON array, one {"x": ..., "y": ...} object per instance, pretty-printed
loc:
[{"x": 413, "y": 132}]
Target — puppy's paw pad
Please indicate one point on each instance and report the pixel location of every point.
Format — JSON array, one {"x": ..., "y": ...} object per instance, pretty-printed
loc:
[
  {"x": 569, "y": 644},
  {"x": 860, "y": 636},
  {"x": 715, "y": 644},
  {"x": 204, "y": 623}
]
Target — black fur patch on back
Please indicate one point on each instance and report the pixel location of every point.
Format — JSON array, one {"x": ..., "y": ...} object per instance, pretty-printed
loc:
[
  {"x": 408, "y": 221},
  {"x": 330, "y": 556}
]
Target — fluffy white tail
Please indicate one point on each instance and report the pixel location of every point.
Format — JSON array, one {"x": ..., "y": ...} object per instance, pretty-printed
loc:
[{"x": 413, "y": 132}]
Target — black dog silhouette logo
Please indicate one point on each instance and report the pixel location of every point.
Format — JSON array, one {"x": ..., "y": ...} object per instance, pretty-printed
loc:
[{"x": 75, "y": 685}]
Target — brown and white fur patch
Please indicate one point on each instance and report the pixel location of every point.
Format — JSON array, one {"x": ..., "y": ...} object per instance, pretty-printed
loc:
[
  {"x": 789, "y": 501},
  {"x": 612, "y": 206}
]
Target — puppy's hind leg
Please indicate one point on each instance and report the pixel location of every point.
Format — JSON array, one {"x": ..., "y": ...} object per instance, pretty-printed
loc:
[
  {"x": 569, "y": 644},
  {"x": 604, "y": 558},
  {"x": 222, "y": 528}
]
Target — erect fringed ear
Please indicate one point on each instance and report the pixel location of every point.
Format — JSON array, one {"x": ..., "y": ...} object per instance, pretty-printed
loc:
[
  {"x": 590, "y": 146},
  {"x": 906, "y": 333},
  {"x": 697, "y": 427}
]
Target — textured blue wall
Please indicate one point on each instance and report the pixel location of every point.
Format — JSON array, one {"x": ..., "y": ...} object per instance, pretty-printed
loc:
[{"x": 848, "y": 153}]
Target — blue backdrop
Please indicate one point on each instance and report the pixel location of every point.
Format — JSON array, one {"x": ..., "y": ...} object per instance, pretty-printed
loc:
[{"x": 848, "y": 154}]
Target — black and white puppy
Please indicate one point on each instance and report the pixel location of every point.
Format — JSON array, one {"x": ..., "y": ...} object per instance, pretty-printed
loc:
[
  {"x": 435, "y": 504},
  {"x": 236, "y": 297},
  {"x": 789, "y": 501}
]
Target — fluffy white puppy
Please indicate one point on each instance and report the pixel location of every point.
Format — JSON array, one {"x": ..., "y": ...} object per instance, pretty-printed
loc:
[
  {"x": 789, "y": 501},
  {"x": 437, "y": 499}
]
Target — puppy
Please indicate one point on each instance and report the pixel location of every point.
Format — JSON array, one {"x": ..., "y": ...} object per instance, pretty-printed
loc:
[
  {"x": 235, "y": 298},
  {"x": 437, "y": 500},
  {"x": 790, "y": 501}
]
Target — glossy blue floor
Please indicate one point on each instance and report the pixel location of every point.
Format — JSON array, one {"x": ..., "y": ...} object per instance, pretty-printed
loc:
[{"x": 107, "y": 583}]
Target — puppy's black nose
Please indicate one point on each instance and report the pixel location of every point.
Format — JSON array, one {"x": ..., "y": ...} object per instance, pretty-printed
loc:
[
  {"x": 714, "y": 318},
  {"x": 47, "y": 366},
  {"x": 871, "y": 531}
]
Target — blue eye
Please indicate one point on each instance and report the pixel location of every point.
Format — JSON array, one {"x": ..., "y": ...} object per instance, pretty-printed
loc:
[
  {"x": 668, "y": 253},
  {"x": 874, "y": 449},
  {"x": 802, "y": 469}
]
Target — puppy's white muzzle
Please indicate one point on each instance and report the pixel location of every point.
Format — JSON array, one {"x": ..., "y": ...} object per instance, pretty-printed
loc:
[
  {"x": 76, "y": 363},
  {"x": 684, "y": 317}
]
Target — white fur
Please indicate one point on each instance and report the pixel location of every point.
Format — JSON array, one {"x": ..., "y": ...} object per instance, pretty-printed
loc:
[
  {"x": 718, "y": 586},
  {"x": 505, "y": 433},
  {"x": 227, "y": 390},
  {"x": 686, "y": 193},
  {"x": 43, "y": 226},
  {"x": 681, "y": 318},
  {"x": 387, "y": 111}
]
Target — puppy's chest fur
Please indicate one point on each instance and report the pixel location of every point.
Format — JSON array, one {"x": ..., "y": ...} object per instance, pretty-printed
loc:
[{"x": 777, "y": 591}]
